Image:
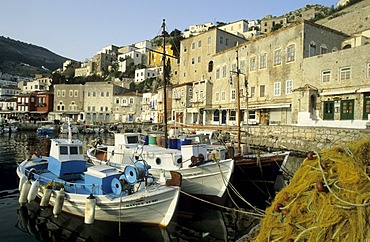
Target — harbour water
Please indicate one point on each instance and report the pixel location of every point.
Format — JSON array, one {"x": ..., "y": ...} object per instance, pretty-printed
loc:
[{"x": 193, "y": 221}]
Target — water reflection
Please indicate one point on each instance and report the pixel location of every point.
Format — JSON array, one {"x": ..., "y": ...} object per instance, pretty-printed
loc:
[{"x": 42, "y": 225}]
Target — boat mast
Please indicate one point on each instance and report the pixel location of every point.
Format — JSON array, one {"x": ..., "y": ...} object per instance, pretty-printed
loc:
[
  {"x": 238, "y": 99},
  {"x": 164, "y": 84}
]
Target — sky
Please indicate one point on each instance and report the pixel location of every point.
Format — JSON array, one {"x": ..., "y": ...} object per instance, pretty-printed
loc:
[{"x": 79, "y": 29}]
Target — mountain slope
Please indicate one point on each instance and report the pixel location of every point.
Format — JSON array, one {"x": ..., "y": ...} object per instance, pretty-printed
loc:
[{"x": 16, "y": 56}]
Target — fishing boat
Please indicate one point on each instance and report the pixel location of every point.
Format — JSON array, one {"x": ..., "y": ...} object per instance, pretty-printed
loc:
[
  {"x": 66, "y": 181},
  {"x": 205, "y": 170},
  {"x": 46, "y": 129}
]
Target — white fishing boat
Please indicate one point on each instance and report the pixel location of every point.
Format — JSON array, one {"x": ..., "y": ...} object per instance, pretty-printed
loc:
[
  {"x": 204, "y": 170},
  {"x": 67, "y": 182}
]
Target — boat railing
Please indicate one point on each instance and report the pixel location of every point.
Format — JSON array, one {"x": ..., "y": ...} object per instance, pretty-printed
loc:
[{"x": 71, "y": 187}]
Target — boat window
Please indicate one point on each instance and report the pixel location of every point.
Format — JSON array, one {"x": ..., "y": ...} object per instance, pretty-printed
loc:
[
  {"x": 158, "y": 161},
  {"x": 132, "y": 139},
  {"x": 63, "y": 150},
  {"x": 73, "y": 150}
]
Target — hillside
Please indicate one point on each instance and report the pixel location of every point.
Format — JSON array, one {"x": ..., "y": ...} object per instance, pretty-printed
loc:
[
  {"x": 350, "y": 20},
  {"x": 18, "y": 58}
]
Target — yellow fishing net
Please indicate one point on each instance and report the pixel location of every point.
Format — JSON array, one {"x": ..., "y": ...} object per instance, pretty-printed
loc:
[{"x": 328, "y": 199}]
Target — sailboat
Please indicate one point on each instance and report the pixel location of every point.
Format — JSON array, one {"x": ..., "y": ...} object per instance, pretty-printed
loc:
[{"x": 204, "y": 171}]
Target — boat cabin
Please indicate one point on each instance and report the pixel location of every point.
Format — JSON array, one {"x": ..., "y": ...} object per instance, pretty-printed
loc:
[{"x": 66, "y": 157}]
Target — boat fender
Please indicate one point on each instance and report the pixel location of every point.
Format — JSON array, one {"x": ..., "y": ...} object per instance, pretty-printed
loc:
[
  {"x": 24, "y": 192},
  {"x": 22, "y": 180},
  {"x": 33, "y": 190},
  {"x": 46, "y": 197},
  {"x": 59, "y": 200},
  {"x": 90, "y": 209}
]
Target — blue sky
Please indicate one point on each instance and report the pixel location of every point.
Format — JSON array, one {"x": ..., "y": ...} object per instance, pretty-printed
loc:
[{"x": 78, "y": 29}]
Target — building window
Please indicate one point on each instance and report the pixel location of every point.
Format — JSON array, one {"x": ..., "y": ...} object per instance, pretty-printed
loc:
[
  {"x": 192, "y": 46},
  {"x": 210, "y": 66},
  {"x": 277, "y": 88},
  {"x": 190, "y": 92},
  {"x": 290, "y": 53},
  {"x": 70, "y": 93},
  {"x": 185, "y": 48},
  {"x": 209, "y": 40},
  {"x": 102, "y": 94},
  {"x": 199, "y": 59},
  {"x": 117, "y": 100},
  {"x": 233, "y": 94},
  {"x": 94, "y": 94},
  {"x": 199, "y": 43},
  {"x": 221, "y": 40},
  {"x": 262, "y": 90},
  {"x": 76, "y": 93},
  {"x": 323, "y": 49},
  {"x": 201, "y": 95},
  {"x": 312, "y": 49},
  {"x": 58, "y": 93},
  {"x": 192, "y": 61},
  {"x": 217, "y": 73},
  {"x": 252, "y": 92},
  {"x": 263, "y": 61},
  {"x": 232, "y": 115},
  {"x": 242, "y": 66},
  {"x": 131, "y": 100},
  {"x": 289, "y": 87},
  {"x": 277, "y": 57},
  {"x": 217, "y": 94},
  {"x": 63, "y": 93},
  {"x": 223, "y": 96},
  {"x": 252, "y": 64},
  {"x": 347, "y": 109},
  {"x": 227, "y": 42},
  {"x": 326, "y": 76},
  {"x": 224, "y": 71},
  {"x": 345, "y": 73}
]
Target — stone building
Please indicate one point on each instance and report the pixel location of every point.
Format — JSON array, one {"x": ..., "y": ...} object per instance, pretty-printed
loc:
[
  {"x": 181, "y": 112},
  {"x": 127, "y": 107},
  {"x": 196, "y": 54},
  {"x": 68, "y": 102},
  {"x": 98, "y": 101},
  {"x": 271, "y": 68}
]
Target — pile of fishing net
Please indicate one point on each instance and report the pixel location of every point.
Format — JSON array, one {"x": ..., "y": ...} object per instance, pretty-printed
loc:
[{"x": 328, "y": 199}]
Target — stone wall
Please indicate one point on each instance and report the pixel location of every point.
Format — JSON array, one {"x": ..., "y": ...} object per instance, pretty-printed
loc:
[{"x": 301, "y": 139}]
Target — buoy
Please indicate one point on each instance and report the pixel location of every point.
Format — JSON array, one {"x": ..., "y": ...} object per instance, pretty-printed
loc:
[
  {"x": 24, "y": 192},
  {"x": 46, "y": 197},
  {"x": 59, "y": 200},
  {"x": 21, "y": 181},
  {"x": 33, "y": 190},
  {"x": 90, "y": 209}
]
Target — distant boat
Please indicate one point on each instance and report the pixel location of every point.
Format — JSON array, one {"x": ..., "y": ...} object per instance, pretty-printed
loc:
[
  {"x": 67, "y": 182},
  {"x": 64, "y": 128},
  {"x": 46, "y": 129}
]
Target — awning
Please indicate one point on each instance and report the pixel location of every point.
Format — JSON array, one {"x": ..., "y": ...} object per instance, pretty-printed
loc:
[
  {"x": 364, "y": 90},
  {"x": 338, "y": 92},
  {"x": 270, "y": 106}
]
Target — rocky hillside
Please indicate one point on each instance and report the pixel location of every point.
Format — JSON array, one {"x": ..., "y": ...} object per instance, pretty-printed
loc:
[
  {"x": 18, "y": 58},
  {"x": 350, "y": 20}
]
